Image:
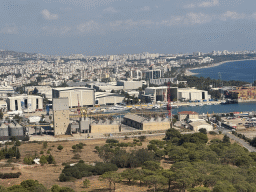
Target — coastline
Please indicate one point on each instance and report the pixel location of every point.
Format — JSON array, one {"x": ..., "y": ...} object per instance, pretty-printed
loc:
[{"x": 189, "y": 73}]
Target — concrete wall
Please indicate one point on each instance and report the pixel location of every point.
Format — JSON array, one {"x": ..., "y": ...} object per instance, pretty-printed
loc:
[
  {"x": 97, "y": 128},
  {"x": 60, "y": 104},
  {"x": 151, "y": 126}
]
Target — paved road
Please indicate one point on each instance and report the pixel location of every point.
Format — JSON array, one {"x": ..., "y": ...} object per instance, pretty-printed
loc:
[{"x": 237, "y": 139}]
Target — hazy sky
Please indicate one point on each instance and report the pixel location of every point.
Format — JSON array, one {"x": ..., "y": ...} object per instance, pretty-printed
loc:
[{"x": 100, "y": 27}]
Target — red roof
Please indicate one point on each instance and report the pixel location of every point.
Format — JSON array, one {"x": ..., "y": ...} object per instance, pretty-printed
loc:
[{"x": 188, "y": 113}]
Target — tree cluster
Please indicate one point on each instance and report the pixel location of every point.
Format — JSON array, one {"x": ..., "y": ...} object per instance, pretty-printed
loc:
[
  {"x": 197, "y": 164},
  {"x": 34, "y": 186},
  {"x": 6, "y": 153},
  {"x": 81, "y": 169},
  {"x": 10, "y": 175}
]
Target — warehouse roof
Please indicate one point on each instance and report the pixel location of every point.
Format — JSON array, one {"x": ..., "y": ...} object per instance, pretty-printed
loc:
[
  {"x": 198, "y": 123},
  {"x": 135, "y": 118}
]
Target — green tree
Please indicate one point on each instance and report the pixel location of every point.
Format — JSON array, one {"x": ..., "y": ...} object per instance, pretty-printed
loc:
[
  {"x": 226, "y": 139},
  {"x": 18, "y": 153},
  {"x": 86, "y": 183},
  {"x": 55, "y": 188},
  {"x": 152, "y": 165},
  {"x": 50, "y": 159},
  {"x": 155, "y": 180},
  {"x": 60, "y": 147},
  {"x": 112, "y": 178},
  {"x": 183, "y": 179},
  {"x": 168, "y": 174},
  {"x": 203, "y": 130},
  {"x": 224, "y": 186},
  {"x": 128, "y": 174},
  {"x": 172, "y": 134},
  {"x": 2, "y": 189},
  {"x": 200, "y": 189},
  {"x": 45, "y": 144},
  {"x": 43, "y": 160}
]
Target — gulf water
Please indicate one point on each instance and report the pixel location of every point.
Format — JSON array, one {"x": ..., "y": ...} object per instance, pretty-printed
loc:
[{"x": 235, "y": 70}]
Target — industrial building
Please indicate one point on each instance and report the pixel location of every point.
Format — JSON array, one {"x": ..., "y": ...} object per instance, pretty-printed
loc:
[
  {"x": 142, "y": 123},
  {"x": 61, "y": 116},
  {"x": 105, "y": 98},
  {"x": 27, "y": 103},
  {"x": 131, "y": 85},
  {"x": 161, "y": 81},
  {"x": 152, "y": 74},
  {"x": 161, "y": 93},
  {"x": 11, "y": 130},
  {"x": 188, "y": 114},
  {"x": 245, "y": 93},
  {"x": 81, "y": 96},
  {"x": 105, "y": 127},
  {"x": 191, "y": 94},
  {"x": 6, "y": 91},
  {"x": 200, "y": 124},
  {"x": 3, "y": 105}
]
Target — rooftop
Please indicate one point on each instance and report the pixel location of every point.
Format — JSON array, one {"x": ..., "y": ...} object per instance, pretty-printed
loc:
[{"x": 135, "y": 118}]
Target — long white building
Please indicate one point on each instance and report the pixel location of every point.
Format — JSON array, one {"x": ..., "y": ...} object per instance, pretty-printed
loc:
[{"x": 184, "y": 94}]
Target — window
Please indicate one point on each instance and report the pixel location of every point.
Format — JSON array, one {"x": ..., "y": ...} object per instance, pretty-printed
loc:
[
  {"x": 16, "y": 105},
  {"x": 36, "y": 103}
]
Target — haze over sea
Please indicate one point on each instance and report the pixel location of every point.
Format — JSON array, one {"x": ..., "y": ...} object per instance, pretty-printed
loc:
[{"x": 235, "y": 70}]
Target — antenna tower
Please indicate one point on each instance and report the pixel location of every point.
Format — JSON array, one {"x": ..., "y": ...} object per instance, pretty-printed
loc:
[
  {"x": 169, "y": 106},
  {"x": 78, "y": 106}
]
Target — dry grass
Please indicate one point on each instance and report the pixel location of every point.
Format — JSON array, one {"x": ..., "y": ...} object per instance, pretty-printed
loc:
[{"x": 48, "y": 174}]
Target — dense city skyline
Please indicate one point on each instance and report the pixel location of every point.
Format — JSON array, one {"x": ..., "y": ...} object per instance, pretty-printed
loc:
[{"x": 64, "y": 27}]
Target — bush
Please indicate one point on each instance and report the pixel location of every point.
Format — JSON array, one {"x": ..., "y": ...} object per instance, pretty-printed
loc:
[
  {"x": 212, "y": 133},
  {"x": 76, "y": 156},
  {"x": 82, "y": 170},
  {"x": 142, "y": 138},
  {"x": 45, "y": 144},
  {"x": 28, "y": 160},
  {"x": 43, "y": 160},
  {"x": 112, "y": 141},
  {"x": 86, "y": 183},
  {"x": 50, "y": 159},
  {"x": 10, "y": 175},
  {"x": 17, "y": 143},
  {"x": 60, "y": 147},
  {"x": 41, "y": 152}
]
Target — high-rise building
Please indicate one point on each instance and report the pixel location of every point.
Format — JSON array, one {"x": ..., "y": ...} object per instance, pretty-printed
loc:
[{"x": 60, "y": 116}]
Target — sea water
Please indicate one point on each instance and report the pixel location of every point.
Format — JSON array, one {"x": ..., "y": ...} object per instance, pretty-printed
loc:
[{"x": 235, "y": 70}]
